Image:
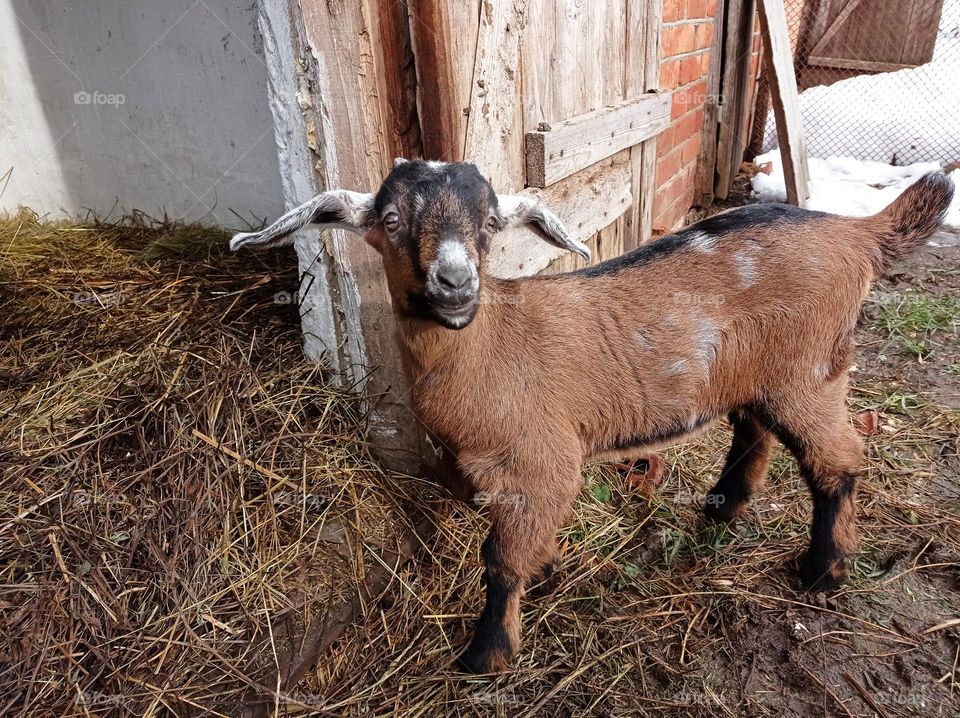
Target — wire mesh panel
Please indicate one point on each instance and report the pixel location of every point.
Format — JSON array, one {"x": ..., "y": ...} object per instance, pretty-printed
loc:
[{"x": 879, "y": 80}]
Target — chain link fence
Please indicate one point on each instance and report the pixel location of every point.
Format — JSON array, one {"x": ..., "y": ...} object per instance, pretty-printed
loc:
[{"x": 879, "y": 80}]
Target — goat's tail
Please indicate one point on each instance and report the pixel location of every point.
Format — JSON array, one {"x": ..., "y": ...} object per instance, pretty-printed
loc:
[{"x": 911, "y": 218}]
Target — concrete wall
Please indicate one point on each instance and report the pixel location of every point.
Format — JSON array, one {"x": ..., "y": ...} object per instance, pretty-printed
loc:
[{"x": 156, "y": 106}]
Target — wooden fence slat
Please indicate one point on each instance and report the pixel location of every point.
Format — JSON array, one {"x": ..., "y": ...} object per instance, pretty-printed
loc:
[
  {"x": 577, "y": 143},
  {"x": 443, "y": 34},
  {"x": 786, "y": 101},
  {"x": 495, "y": 94},
  {"x": 732, "y": 137},
  {"x": 644, "y": 24}
]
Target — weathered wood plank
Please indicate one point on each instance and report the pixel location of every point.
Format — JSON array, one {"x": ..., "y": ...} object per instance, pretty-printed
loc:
[
  {"x": 835, "y": 26},
  {"x": 848, "y": 64},
  {"x": 493, "y": 139},
  {"x": 707, "y": 162},
  {"x": 586, "y": 202},
  {"x": 786, "y": 102},
  {"x": 354, "y": 133},
  {"x": 642, "y": 74},
  {"x": 443, "y": 34},
  {"x": 574, "y": 144},
  {"x": 732, "y": 137}
]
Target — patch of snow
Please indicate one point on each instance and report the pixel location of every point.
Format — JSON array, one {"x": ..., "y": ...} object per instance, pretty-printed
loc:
[
  {"x": 844, "y": 185},
  {"x": 905, "y": 117}
]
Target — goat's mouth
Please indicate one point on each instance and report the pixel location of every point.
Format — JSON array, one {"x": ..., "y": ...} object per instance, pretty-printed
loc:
[{"x": 455, "y": 315}]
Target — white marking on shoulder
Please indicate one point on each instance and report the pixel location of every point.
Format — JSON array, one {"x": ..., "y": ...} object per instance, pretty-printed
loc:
[
  {"x": 821, "y": 371},
  {"x": 436, "y": 165},
  {"x": 677, "y": 367},
  {"x": 746, "y": 266},
  {"x": 707, "y": 338},
  {"x": 702, "y": 242},
  {"x": 643, "y": 341}
]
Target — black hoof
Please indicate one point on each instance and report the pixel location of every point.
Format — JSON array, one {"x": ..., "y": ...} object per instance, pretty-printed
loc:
[
  {"x": 819, "y": 575},
  {"x": 480, "y": 662},
  {"x": 724, "y": 507}
]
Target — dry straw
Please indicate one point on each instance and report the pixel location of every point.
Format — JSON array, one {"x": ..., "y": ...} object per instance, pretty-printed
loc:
[{"x": 183, "y": 498}]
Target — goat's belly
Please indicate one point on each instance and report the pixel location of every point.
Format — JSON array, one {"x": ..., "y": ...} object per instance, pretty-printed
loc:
[{"x": 652, "y": 439}]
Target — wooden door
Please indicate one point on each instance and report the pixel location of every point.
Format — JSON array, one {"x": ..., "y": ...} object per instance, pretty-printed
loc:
[
  {"x": 844, "y": 38},
  {"x": 548, "y": 97}
]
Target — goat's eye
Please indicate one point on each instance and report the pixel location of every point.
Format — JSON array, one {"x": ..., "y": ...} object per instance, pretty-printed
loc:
[{"x": 391, "y": 221}]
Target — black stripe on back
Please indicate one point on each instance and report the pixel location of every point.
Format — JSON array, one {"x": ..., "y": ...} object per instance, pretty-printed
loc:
[{"x": 739, "y": 220}]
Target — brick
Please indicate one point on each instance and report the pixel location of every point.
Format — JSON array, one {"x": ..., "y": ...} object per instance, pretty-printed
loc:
[
  {"x": 689, "y": 125},
  {"x": 711, "y": 8},
  {"x": 689, "y": 69},
  {"x": 673, "y": 10},
  {"x": 704, "y": 35},
  {"x": 668, "y": 166},
  {"x": 690, "y": 150},
  {"x": 705, "y": 64},
  {"x": 679, "y": 39},
  {"x": 696, "y": 9},
  {"x": 669, "y": 74},
  {"x": 686, "y": 99},
  {"x": 665, "y": 141}
]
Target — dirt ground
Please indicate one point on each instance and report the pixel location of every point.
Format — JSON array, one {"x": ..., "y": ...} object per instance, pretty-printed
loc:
[{"x": 158, "y": 586}]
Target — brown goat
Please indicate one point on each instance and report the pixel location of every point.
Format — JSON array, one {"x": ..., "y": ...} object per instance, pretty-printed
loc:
[{"x": 748, "y": 314}]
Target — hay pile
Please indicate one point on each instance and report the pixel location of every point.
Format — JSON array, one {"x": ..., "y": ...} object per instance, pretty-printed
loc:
[
  {"x": 182, "y": 496},
  {"x": 177, "y": 486}
]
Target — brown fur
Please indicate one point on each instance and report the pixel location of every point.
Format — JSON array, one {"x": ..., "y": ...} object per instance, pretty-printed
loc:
[{"x": 747, "y": 320}]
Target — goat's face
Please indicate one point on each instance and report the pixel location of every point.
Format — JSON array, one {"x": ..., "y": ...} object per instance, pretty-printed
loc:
[{"x": 432, "y": 223}]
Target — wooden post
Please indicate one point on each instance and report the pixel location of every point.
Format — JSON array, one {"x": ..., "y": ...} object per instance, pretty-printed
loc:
[
  {"x": 786, "y": 101},
  {"x": 735, "y": 88},
  {"x": 707, "y": 162},
  {"x": 342, "y": 98},
  {"x": 644, "y": 24}
]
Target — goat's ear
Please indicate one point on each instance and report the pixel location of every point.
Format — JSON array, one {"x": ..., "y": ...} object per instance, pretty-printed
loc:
[
  {"x": 336, "y": 209},
  {"x": 516, "y": 209}
]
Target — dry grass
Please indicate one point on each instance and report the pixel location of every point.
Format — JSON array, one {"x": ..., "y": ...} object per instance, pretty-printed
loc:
[
  {"x": 145, "y": 570},
  {"x": 142, "y": 565}
]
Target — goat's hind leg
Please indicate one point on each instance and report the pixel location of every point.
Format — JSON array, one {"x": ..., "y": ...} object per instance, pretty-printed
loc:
[
  {"x": 745, "y": 469},
  {"x": 829, "y": 452}
]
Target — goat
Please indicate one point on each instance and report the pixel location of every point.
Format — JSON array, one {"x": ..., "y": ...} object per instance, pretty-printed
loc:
[{"x": 748, "y": 314}]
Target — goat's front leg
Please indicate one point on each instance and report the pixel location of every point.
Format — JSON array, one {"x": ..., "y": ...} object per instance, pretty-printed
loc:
[{"x": 521, "y": 544}]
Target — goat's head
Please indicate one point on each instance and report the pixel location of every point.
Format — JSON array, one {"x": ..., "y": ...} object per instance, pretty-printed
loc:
[{"x": 432, "y": 223}]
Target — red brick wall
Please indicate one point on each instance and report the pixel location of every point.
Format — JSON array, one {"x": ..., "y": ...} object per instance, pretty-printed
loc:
[
  {"x": 688, "y": 27},
  {"x": 685, "y": 49}
]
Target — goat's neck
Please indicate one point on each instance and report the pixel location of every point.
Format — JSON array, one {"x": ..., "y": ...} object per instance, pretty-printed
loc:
[{"x": 430, "y": 346}]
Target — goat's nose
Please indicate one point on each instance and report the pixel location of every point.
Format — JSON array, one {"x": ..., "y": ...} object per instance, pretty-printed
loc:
[{"x": 455, "y": 276}]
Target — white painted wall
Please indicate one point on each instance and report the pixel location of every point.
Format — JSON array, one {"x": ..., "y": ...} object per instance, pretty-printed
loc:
[{"x": 156, "y": 106}]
